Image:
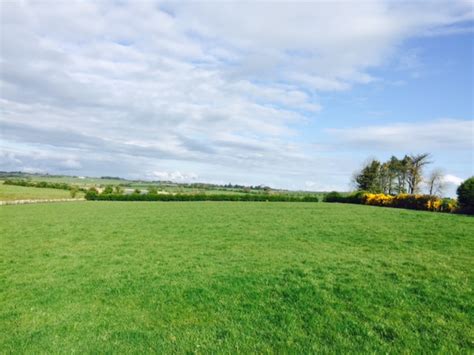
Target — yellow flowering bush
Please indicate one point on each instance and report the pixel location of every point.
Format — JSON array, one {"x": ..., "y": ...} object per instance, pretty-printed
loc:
[
  {"x": 448, "y": 205},
  {"x": 378, "y": 199},
  {"x": 416, "y": 202},
  {"x": 413, "y": 202},
  {"x": 434, "y": 205}
]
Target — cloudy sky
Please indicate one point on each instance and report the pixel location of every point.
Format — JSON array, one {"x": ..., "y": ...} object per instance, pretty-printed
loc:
[{"x": 288, "y": 94}]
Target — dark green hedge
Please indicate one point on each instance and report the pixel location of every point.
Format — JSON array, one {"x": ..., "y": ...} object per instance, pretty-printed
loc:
[
  {"x": 356, "y": 197},
  {"x": 91, "y": 195}
]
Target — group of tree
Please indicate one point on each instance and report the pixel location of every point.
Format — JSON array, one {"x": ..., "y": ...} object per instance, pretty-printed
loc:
[{"x": 397, "y": 176}]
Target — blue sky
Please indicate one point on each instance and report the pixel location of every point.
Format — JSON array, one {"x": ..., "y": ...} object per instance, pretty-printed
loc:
[{"x": 292, "y": 95}]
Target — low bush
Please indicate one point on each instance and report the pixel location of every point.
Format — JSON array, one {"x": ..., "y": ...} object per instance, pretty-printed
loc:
[
  {"x": 109, "y": 189},
  {"x": 92, "y": 194},
  {"x": 333, "y": 196},
  {"x": 356, "y": 197},
  {"x": 377, "y": 199}
]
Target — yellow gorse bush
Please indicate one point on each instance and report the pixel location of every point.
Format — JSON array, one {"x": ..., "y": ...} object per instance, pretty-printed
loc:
[
  {"x": 433, "y": 205},
  {"x": 418, "y": 202},
  {"x": 413, "y": 202},
  {"x": 378, "y": 199}
]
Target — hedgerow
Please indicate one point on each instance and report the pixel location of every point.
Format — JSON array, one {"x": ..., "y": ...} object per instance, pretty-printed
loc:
[
  {"x": 408, "y": 201},
  {"x": 94, "y": 196},
  {"x": 42, "y": 184},
  {"x": 334, "y": 196}
]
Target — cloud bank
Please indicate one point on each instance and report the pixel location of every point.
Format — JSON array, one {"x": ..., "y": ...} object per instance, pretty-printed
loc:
[{"x": 219, "y": 91}]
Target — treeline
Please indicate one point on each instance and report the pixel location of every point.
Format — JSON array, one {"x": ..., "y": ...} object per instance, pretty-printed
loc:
[
  {"x": 464, "y": 203},
  {"x": 397, "y": 183},
  {"x": 93, "y": 195},
  {"x": 244, "y": 187},
  {"x": 397, "y": 176}
]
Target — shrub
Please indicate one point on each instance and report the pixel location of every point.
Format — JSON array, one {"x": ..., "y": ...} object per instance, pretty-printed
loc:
[
  {"x": 74, "y": 191},
  {"x": 109, "y": 189},
  {"x": 413, "y": 202},
  {"x": 152, "y": 190},
  {"x": 465, "y": 194},
  {"x": 377, "y": 199},
  {"x": 356, "y": 197},
  {"x": 332, "y": 196},
  {"x": 448, "y": 205},
  {"x": 92, "y": 194}
]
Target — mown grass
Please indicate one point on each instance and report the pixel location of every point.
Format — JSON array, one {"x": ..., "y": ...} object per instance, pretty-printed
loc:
[
  {"x": 11, "y": 193},
  {"x": 203, "y": 277}
]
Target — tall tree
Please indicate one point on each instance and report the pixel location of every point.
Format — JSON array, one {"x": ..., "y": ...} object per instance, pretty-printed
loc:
[
  {"x": 401, "y": 169},
  {"x": 393, "y": 172},
  {"x": 416, "y": 164},
  {"x": 435, "y": 182},
  {"x": 368, "y": 178}
]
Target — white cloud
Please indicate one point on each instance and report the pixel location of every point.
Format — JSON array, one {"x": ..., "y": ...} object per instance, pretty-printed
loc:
[
  {"x": 437, "y": 135},
  {"x": 318, "y": 186},
  {"x": 452, "y": 179},
  {"x": 129, "y": 87}
]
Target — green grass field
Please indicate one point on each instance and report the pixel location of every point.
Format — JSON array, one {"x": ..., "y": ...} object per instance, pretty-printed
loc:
[
  {"x": 210, "y": 277},
  {"x": 12, "y": 192}
]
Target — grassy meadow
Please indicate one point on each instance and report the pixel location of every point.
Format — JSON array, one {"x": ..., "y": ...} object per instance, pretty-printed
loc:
[
  {"x": 12, "y": 193},
  {"x": 216, "y": 277}
]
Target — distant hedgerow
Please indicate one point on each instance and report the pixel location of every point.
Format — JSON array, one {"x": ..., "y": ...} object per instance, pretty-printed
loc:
[
  {"x": 42, "y": 184},
  {"x": 199, "y": 197}
]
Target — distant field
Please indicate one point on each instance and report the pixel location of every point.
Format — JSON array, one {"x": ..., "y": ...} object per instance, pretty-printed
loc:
[
  {"x": 11, "y": 192},
  {"x": 212, "y": 277},
  {"x": 170, "y": 187}
]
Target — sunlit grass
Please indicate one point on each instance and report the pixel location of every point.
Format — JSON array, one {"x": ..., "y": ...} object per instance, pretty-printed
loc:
[
  {"x": 12, "y": 192},
  {"x": 234, "y": 277}
]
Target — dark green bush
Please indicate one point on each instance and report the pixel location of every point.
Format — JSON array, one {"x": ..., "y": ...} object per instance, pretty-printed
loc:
[
  {"x": 332, "y": 196},
  {"x": 465, "y": 194},
  {"x": 355, "y": 197},
  {"x": 108, "y": 189},
  {"x": 92, "y": 194}
]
